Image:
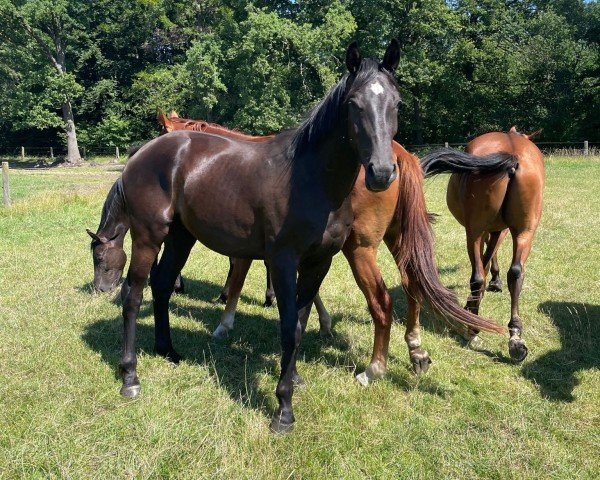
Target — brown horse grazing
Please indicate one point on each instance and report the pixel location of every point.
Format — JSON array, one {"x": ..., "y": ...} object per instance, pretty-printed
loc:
[
  {"x": 494, "y": 204},
  {"x": 285, "y": 200},
  {"x": 397, "y": 216}
]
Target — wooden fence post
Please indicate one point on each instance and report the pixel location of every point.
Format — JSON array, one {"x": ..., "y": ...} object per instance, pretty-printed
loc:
[
  {"x": 445, "y": 144},
  {"x": 117, "y": 153},
  {"x": 84, "y": 155},
  {"x": 51, "y": 153},
  {"x": 586, "y": 148},
  {"x": 5, "y": 184},
  {"x": 22, "y": 153}
]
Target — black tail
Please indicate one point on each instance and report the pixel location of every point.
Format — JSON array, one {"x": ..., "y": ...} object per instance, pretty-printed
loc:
[{"x": 449, "y": 160}]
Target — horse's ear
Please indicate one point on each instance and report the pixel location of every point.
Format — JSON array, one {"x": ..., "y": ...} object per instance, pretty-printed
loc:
[
  {"x": 174, "y": 114},
  {"x": 161, "y": 117},
  {"x": 392, "y": 56},
  {"x": 353, "y": 58},
  {"x": 534, "y": 134},
  {"x": 513, "y": 129},
  {"x": 94, "y": 236}
]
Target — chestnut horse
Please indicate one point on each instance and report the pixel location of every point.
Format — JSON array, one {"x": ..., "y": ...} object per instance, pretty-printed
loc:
[
  {"x": 489, "y": 205},
  {"x": 397, "y": 216},
  {"x": 285, "y": 200}
]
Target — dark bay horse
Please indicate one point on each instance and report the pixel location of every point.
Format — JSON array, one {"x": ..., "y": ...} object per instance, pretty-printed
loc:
[
  {"x": 285, "y": 200},
  {"x": 489, "y": 205},
  {"x": 397, "y": 216},
  {"x": 173, "y": 123}
]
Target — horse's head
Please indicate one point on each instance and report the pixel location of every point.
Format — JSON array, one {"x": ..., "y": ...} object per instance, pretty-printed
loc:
[
  {"x": 164, "y": 123},
  {"x": 109, "y": 262},
  {"x": 372, "y": 101}
]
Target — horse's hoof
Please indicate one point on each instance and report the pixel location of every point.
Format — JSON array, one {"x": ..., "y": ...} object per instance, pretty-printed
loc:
[
  {"x": 279, "y": 427},
  {"x": 325, "y": 332},
  {"x": 299, "y": 382},
  {"x": 420, "y": 362},
  {"x": 474, "y": 342},
  {"x": 363, "y": 379},
  {"x": 221, "y": 332},
  {"x": 495, "y": 286},
  {"x": 170, "y": 355},
  {"x": 517, "y": 349},
  {"x": 130, "y": 391},
  {"x": 269, "y": 301},
  {"x": 222, "y": 298}
]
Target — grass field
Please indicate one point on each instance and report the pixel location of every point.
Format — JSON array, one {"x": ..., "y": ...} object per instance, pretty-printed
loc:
[{"x": 473, "y": 415}]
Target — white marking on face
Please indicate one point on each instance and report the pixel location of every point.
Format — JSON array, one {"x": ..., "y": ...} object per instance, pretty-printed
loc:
[{"x": 376, "y": 88}]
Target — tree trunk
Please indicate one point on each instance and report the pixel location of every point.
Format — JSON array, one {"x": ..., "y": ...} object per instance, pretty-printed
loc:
[
  {"x": 73, "y": 155},
  {"x": 417, "y": 118}
]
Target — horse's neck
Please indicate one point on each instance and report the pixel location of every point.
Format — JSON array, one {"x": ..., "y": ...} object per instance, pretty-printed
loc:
[
  {"x": 337, "y": 165},
  {"x": 114, "y": 223}
]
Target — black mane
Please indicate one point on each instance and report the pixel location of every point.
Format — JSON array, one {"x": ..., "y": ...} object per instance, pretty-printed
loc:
[
  {"x": 322, "y": 118},
  {"x": 113, "y": 206}
]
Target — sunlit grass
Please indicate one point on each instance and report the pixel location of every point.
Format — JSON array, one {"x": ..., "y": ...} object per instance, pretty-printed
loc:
[{"x": 473, "y": 415}]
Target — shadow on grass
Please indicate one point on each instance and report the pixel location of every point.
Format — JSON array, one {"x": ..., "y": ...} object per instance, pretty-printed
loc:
[
  {"x": 240, "y": 361},
  {"x": 579, "y": 331}
]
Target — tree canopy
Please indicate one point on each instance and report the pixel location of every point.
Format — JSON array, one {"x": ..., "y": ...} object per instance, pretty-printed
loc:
[{"x": 467, "y": 66}]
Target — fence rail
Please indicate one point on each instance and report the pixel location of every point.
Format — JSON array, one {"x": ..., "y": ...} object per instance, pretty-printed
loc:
[{"x": 566, "y": 148}]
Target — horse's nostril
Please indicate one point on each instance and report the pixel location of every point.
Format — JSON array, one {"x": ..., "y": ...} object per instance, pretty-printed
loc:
[{"x": 371, "y": 169}]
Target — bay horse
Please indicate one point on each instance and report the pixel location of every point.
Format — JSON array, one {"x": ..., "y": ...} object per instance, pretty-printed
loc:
[
  {"x": 285, "y": 200},
  {"x": 489, "y": 205},
  {"x": 397, "y": 216}
]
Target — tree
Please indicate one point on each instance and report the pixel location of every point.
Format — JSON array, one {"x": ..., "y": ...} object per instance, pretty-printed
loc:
[{"x": 50, "y": 26}]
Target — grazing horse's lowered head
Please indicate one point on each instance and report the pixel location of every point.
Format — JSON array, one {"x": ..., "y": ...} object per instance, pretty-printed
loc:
[
  {"x": 109, "y": 262},
  {"x": 107, "y": 243}
]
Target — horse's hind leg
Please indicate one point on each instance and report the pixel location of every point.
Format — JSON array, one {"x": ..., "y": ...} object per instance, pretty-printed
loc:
[
  {"x": 324, "y": 317},
  {"x": 419, "y": 358},
  {"x": 240, "y": 267},
  {"x": 368, "y": 277},
  {"x": 143, "y": 255},
  {"x": 516, "y": 274},
  {"x": 493, "y": 243},
  {"x": 178, "y": 244},
  {"x": 477, "y": 281},
  {"x": 225, "y": 290},
  {"x": 269, "y": 292}
]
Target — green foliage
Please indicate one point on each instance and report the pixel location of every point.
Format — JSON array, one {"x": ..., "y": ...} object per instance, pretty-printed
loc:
[{"x": 467, "y": 66}]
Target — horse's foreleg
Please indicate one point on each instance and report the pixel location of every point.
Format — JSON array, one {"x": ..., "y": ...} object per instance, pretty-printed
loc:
[
  {"x": 283, "y": 268},
  {"x": 269, "y": 292},
  {"x": 178, "y": 244},
  {"x": 516, "y": 274},
  {"x": 419, "y": 358},
  {"x": 239, "y": 271},
  {"x": 368, "y": 277},
  {"x": 142, "y": 257}
]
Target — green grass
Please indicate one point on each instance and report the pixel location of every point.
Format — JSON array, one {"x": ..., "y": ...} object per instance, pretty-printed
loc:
[{"x": 473, "y": 415}]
